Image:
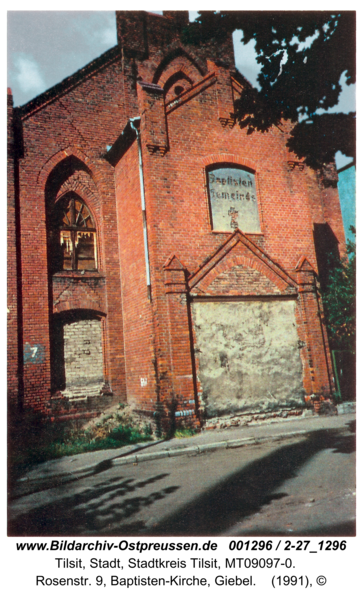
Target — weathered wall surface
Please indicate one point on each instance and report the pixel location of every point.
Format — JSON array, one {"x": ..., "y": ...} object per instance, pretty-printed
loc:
[{"x": 248, "y": 354}]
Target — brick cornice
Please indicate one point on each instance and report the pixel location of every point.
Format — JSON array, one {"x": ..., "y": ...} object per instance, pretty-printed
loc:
[{"x": 194, "y": 90}]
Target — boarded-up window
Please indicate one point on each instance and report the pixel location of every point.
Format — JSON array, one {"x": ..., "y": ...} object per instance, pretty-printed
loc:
[
  {"x": 233, "y": 199},
  {"x": 248, "y": 356}
]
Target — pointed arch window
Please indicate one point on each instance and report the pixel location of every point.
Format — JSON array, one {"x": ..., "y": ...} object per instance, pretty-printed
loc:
[{"x": 74, "y": 236}]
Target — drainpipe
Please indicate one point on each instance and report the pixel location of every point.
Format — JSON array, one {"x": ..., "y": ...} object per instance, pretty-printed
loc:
[
  {"x": 143, "y": 207},
  {"x": 157, "y": 414}
]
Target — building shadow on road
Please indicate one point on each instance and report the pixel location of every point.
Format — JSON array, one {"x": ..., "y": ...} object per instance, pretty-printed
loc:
[
  {"x": 247, "y": 491},
  {"x": 108, "y": 508}
]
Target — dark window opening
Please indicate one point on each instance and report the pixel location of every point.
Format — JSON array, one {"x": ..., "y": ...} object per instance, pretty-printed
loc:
[
  {"x": 327, "y": 251},
  {"x": 177, "y": 79},
  {"x": 178, "y": 90},
  {"x": 74, "y": 245}
]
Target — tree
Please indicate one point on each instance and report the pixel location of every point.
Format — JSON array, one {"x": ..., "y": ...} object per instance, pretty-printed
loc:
[
  {"x": 303, "y": 56},
  {"x": 339, "y": 299}
]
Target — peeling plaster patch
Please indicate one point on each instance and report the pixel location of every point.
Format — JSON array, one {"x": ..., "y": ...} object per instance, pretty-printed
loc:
[{"x": 248, "y": 355}]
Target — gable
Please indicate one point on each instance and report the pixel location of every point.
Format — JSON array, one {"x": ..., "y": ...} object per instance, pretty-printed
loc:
[
  {"x": 242, "y": 280},
  {"x": 240, "y": 268},
  {"x": 93, "y": 68},
  {"x": 304, "y": 265}
]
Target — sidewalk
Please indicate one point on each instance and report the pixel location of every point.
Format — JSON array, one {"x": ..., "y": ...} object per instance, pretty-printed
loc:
[{"x": 60, "y": 471}]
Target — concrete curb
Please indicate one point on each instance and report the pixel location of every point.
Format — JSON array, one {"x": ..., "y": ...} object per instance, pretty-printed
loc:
[{"x": 194, "y": 450}]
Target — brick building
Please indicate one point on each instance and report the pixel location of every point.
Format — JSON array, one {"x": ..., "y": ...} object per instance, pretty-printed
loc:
[{"x": 159, "y": 255}]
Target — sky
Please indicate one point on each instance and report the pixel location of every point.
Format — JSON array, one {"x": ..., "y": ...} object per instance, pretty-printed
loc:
[{"x": 39, "y": 56}]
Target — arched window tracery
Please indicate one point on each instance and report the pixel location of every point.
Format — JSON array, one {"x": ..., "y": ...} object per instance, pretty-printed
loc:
[{"x": 74, "y": 243}]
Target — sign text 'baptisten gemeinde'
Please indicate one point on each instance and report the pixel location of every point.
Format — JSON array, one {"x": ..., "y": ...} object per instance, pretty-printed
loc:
[{"x": 233, "y": 200}]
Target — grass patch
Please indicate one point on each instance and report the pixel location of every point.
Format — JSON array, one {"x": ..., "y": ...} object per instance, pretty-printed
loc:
[
  {"x": 184, "y": 432},
  {"x": 35, "y": 441},
  {"x": 121, "y": 436}
]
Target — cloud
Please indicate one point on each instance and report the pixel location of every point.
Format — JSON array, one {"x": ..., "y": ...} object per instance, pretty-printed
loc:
[
  {"x": 245, "y": 57},
  {"x": 27, "y": 74},
  {"x": 95, "y": 28},
  {"x": 346, "y": 101},
  {"x": 45, "y": 47},
  {"x": 107, "y": 36}
]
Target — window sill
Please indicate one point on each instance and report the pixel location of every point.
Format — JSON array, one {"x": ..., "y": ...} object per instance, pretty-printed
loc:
[
  {"x": 78, "y": 275},
  {"x": 217, "y": 231}
]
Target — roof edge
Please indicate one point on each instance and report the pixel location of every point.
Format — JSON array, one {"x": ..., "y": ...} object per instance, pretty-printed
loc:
[{"x": 69, "y": 82}]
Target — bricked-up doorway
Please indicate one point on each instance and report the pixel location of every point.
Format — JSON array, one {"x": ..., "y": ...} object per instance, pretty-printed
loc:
[
  {"x": 77, "y": 365},
  {"x": 248, "y": 357}
]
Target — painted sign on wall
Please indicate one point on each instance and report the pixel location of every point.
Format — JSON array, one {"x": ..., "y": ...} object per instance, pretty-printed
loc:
[
  {"x": 34, "y": 353},
  {"x": 233, "y": 200}
]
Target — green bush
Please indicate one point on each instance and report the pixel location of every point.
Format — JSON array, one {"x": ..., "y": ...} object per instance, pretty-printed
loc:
[
  {"x": 339, "y": 299},
  {"x": 61, "y": 442}
]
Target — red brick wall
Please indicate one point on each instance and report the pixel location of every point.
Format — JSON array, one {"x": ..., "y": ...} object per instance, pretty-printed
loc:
[
  {"x": 12, "y": 271},
  {"x": 35, "y": 294},
  {"x": 197, "y": 139},
  {"x": 148, "y": 341},
  {"x": 179, "y": 216},
  {"x": 79, "y": 122},
  {"x": 137, "y": 309},
  {"x": 245, "y": 280},
  {"x": 315, "y": 354}
]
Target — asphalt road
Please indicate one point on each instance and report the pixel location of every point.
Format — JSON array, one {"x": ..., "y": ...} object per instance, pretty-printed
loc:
[{"x": 299, "y": 486}]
